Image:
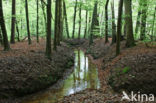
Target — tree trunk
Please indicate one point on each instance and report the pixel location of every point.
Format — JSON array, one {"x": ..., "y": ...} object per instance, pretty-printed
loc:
[
  {"x": 85, "y": 31},
  {"x": 143, "y": 19},
  {"x": 48, "y": 36},
  {"x": 94, "y": 22},
  {"x": 153, "y": 23},
  {"x": 3, "y": 28},
  {"x": 56, "y": 24},
  {"x": 12, "y": 40},
  {"x": 113, "y": 24},
  {"x": 37, "y": 26},
  {"x": 66, "y": 20},
  {"x": 129, "y": 24},
  {"x": 1, "y": 37},
  {"x": 138, "y": 19},
  {"x": 75, "y": 8},
  {"x": 119, "y": 27},
  {"x": 106, "y": 24},
  {"x": 60, "y": 23},
  {"x": 79, "y": 32},
  {"x": 27, "y": 20},
  {"x": 18, "y": 34}
]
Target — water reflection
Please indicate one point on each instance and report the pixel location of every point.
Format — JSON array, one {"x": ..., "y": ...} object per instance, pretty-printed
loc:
[{"x": 85, "y": 75}]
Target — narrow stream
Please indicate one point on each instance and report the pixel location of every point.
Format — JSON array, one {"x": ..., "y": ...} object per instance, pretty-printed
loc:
[{"x": 85, "y": 75}]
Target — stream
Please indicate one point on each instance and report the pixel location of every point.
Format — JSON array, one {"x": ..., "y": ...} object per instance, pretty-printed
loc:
[{"x": 84, "y": 75}]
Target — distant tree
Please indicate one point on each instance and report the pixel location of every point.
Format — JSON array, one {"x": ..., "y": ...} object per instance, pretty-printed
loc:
[
  {"x": 75, "y": 8},
  {"x": 48, "y": 36},
  {"x": 106, "y": 24},
  {"x": 113, "y": 23},
  {"x": 138, "y": 18},
  {"x": 129, "y": 24},
  {"x": 119, "y": 27},
  {"x": 18, "y": 34},
  {"x": 12, "y": 40},
  {"x": 86, "y": 27},
  {"x": 94, "y": 22},
  {"x": 3, "y": 28},
  {"x": 143, "y": 18},
  {"x": 79, "y": 32},
  {"x": 37, "y": 19},
  {"x": 66, "y": 20},
  {"x": 27, "y": 20}
]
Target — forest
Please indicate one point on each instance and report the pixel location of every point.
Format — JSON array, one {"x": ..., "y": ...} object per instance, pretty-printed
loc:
[{"x": 77, "y": 51}]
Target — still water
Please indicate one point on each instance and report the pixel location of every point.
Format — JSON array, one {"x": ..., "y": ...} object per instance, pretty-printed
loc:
[{"x": 85, "y": 75}]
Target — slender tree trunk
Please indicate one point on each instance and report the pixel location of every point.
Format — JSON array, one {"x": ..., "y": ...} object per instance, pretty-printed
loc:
[
  {"x": 85, "y": 31},
  {"x": 27, "y": 20},
  {"x": 94, "y": 22},
  {"x": 143, "y": 19},
  {"x": 3, "y": 28},
  {"x": 119, "y": 27},
  {"x": 18, "y": 34},
  {"x": 129, "y": 24},
  {"x": 37, "y": 26},
  {"x": 12, "y": 40},
  {"x": 106, "y": 25},
  {"x": 79, "y": 32},
  {"x": 153, "y": 23},
  {"x": 1, "y": 37},
  {"x": 56, "y": 24},
  {"x": 138, "y": 19},
  {"x": 75, "y": 8},
  {"x": 66, "y": 20},
  {"x": 60, "y": 23},
  {"x": 113, "y": 23},
  {"x": 48, "y": 36},
  {"x": 43, "y": 10}
]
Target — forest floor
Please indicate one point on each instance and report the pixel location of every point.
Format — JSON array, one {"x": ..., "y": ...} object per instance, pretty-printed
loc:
[
  {"x": 25, "y": 69},
  {"x": 135, "y": 65}
]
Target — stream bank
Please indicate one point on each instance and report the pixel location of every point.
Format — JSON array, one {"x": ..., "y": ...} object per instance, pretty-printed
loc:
[{"x": 25, "y": 70}]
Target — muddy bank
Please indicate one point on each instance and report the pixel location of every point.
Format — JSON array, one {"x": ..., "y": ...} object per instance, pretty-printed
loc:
[{"x": 30, "y": 72}]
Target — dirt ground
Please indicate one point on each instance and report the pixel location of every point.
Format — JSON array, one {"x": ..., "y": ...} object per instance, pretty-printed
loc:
[
  {"x": 25, "y": 69},
  {"x": 141, "y": 60}
]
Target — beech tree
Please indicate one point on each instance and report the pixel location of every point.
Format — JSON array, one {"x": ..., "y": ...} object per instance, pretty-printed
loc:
[
  {"x": 3, "y": 28},
  {"x": 48, "y": 36},
  {"x": 75, "y": 8},
  {"x": 27, "y": 21},
  {"x": 129, "y": 23},
  {"x": 113, "y": 23},
  {"x": 106, "y": 24},
  {"x": 12, "y": 40},
  {"x": 119, "y": 27}
]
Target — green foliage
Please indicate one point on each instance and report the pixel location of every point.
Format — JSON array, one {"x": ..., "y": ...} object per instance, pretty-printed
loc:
[{"x": 126, "y": 70}]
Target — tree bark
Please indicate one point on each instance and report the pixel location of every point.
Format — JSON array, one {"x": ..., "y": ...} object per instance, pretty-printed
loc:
[
  {"x": 79, "y": 32},
  {"x": 94, "y": 22},
  {"x": 153, "y": 23},
  {"x": 119, "y": 27},
  {"x": 66, "y": 20},
  {"x": 75, "y": 8},
  {"x": 37, "y": 26},
  {"x": 113, "y": 23},
  {"x": 85, "y": 31},
  {"x": 129, "y": 24},
  {"x": 18, "y": 34},
  {"x": 143, "y": 19},
  {"x": 3, "y": 28},
  {"x": 27, "y": 20},
  {"x": 48, "y": 36},
  {"x": 138, "y": 19},
  {"x": 1, "y": 37},
  {"x": 106, "y": 24},
  {"x": 12, "y": 40}
]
